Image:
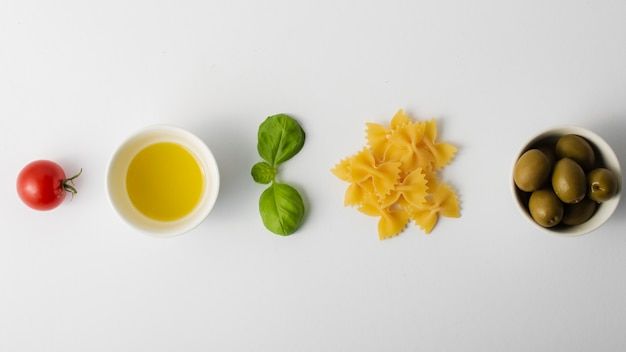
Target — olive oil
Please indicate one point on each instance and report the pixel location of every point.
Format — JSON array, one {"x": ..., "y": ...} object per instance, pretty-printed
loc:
[{"x": 164, "y": 181}]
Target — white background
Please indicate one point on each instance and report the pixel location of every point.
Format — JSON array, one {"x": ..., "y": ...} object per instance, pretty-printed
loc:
[{"x": 78, "y": 77}]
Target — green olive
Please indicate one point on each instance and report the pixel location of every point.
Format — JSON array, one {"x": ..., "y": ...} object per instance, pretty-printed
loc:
[
  {"x": 545, "y": 208},
  {"x": 576, "y": 148},
  {"x": 531, "y": 170},
  {"x": 569, "y": 181},
  {"x": 602, "y": 184},
  {"x": 576, "y": 214}
]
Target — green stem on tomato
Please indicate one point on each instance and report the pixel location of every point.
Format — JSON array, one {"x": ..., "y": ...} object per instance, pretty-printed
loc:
[{"x": 68, "y": 183}]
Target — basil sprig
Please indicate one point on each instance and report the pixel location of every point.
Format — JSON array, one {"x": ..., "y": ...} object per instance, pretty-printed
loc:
[{"x": 280, "y": 137}]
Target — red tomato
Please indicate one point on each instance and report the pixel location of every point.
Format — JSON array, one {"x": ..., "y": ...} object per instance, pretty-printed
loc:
[{"x": 42, "y": 185}]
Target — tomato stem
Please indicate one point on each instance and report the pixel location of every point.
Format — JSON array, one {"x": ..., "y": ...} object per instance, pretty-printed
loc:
[{"x": 68, "y": 183}]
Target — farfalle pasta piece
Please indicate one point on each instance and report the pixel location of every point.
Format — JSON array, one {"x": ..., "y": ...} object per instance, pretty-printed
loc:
[
  {"x": 391, "y": 223},
  {"x": 392, "y": 219},
  {"x": 413, "y": 189},
  {"x": 443, "y": 202},
  {"x": 404, "y": 146},
  {"x": 442, "y": 152},
  {"x": 378, "y": 136},
  {"x": 383, "y": 175},
  {"x": 446, "y": 201},
  {"x": 395, "y": 177}
]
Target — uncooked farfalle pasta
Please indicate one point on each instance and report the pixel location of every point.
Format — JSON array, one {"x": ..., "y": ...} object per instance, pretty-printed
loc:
[{"x": 395, "y": 176}]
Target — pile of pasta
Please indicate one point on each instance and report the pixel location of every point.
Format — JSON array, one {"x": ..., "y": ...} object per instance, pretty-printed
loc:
[{"x": 395, "y": 176}]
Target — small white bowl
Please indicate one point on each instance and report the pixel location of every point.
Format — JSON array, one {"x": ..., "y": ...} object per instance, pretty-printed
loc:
[
  {"x": 118, "y": 168},
  {"x": 607, "y": 158}
]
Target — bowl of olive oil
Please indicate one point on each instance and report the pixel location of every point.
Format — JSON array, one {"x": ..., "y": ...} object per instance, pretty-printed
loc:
[{"x": 163, "y": 180}]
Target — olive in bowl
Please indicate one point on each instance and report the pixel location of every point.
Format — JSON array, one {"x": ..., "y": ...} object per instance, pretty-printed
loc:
[{"x": 567, "y": 180}]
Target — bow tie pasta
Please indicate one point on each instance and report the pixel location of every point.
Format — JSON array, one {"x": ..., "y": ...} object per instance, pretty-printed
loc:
[{"x": 394, "y": 176}]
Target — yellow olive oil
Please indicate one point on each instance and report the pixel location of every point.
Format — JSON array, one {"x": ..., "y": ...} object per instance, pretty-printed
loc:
[{"x": 164, "y": 181}]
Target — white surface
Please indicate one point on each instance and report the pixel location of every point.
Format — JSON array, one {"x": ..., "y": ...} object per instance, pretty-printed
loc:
[{"x": 77, "y": 77}]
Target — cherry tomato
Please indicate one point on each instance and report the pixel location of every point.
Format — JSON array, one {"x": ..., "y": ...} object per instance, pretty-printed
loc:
[{"x": 42, "y": 185}]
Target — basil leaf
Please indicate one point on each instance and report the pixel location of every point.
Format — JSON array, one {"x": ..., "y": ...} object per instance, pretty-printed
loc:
[
  {"x": 263, "y": 172},
  {"x": 280, "y": 137},
  {"x": 281, "y": 209}
]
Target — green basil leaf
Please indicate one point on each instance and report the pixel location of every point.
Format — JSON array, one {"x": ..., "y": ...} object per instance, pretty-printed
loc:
[
  {"x": 263, "y": 172},
  {"x": 280, "y": 137},
  {"x": 281, "y": 209}
]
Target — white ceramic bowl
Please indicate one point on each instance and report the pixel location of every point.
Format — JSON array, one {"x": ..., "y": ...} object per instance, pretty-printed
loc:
[
  {"x": 118, "y": 167},
  {"x": 606, "y": 157}
]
